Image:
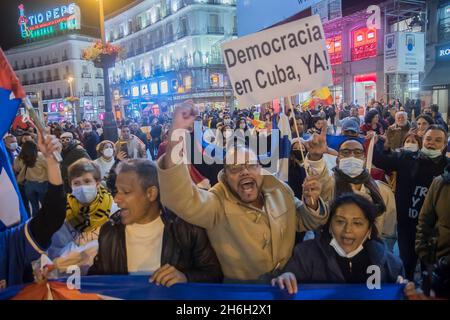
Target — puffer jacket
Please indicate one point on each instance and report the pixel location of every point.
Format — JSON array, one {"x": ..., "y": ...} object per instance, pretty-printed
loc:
[
  {"x": 185, "y": 247},
  {"x": 434, "y": 220},
  {"x": 314, "y": 261}
]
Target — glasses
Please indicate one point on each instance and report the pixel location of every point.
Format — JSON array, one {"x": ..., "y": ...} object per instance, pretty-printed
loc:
[
  {"x": 358, "y": 153},
  {"x": 237, "y": 168},
  {"x": 66, "y": 139}
]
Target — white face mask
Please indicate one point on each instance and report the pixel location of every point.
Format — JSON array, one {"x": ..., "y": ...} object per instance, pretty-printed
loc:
[
  {"x": 85, "y": 194},
  {"x": 227, "y": 121},
  {"x": 108, "y": 152},
  {"x": 341, "y": 252},
  {"x": 411, "y": 147},
  {"x": 431, "y": 153},
  {"x": 13, "y": 146},
  {"x": 351, "y": 166}
]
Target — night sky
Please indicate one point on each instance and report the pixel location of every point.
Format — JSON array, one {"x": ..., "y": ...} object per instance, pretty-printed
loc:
[{"x": 9, "y": 14}]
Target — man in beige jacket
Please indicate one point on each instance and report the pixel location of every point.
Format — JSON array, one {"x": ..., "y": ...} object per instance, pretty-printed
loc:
[{"x": 251, "y": 217}]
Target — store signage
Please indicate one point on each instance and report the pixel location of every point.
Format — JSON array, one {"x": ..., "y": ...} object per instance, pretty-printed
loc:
[
  {"x": 334, "y": 47},
  {"x": 443, "y": 53},
  {"x": 65, "y": 17},
  {"x": 135, "y": 91},
  {"x": 404, "y": 52}
]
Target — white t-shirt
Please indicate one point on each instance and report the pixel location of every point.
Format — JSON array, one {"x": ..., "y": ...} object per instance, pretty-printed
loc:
[{"x": 144, "y": 246}]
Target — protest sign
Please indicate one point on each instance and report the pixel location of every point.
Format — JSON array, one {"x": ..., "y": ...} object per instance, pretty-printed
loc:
[{"x": 280, "y": 61}]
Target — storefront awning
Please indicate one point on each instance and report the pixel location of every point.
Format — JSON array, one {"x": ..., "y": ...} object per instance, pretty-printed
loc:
[{"x": 437, "y": 78}]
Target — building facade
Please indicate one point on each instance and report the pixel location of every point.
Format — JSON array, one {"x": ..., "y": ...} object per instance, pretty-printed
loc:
[
  {"x": 45, "y": 68},
  {"x": 172, "y": 54},
  {"x": 435, "y": 84}
]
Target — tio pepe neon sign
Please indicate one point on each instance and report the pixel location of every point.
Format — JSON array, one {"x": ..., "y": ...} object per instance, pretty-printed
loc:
[{"x": 41, "y": 24}]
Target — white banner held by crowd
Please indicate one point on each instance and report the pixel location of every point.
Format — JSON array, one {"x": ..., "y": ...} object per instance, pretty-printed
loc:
[{"x": 280, "y": 61}]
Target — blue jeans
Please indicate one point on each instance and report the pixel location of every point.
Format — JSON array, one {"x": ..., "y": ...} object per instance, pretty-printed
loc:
[{"x": 35, "y": 192}]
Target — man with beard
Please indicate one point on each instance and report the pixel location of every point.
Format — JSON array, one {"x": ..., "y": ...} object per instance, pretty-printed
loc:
[
  {"x": 397, "y": 132},
  {"x": 250, "y": 216},
  {"x": 71, "y": 152}
]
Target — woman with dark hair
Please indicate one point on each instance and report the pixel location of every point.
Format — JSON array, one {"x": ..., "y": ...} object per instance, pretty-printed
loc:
[
  {"x": 372, "y": 122},
  {"x": 423, "y": 121},
  {"x": 31, "y": 169},
  {"x": 344, "y": 250}
]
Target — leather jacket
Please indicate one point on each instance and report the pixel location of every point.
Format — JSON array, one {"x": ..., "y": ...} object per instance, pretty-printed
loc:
[{"x": 185, "y": 246}]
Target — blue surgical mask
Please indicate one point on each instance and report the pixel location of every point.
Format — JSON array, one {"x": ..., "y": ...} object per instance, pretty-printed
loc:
[{"x": 85, "y": 194}]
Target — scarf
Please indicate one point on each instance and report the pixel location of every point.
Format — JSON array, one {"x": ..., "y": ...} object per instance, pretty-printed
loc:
[
  {"x": 343, "y": 185},
  {"x": 87, "y": 218}
]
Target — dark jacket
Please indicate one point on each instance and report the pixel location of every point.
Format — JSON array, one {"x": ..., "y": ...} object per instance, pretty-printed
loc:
[
  {"x": 90, "y": 141},
  {"x": 434, "y": 220},
  {"x": 415, "y": 172},
  {"x": 73, "y": 153},
  {"x": 185, "y": 246},
  {"x": 440, "y": 121},
  {"x": 315, "y": 261}
]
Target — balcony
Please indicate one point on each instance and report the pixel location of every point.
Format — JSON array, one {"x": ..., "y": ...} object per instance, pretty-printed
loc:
[
  {"x": 32, "y": 82},
  {"x": 16, "y": 67},
  {"x": 215, "y": 30},
  {"x": 99, "y": 93},
  {"x": 56, "y": 78},
  {"x": 169, "y": 39},
  {"x": 31, "y": 65},
  {"x": 234, "y": 31},
  {"x": 55, "y": 60},
  {"x": 120, "y": 36},
  {"x": 64, "y": 58},
  {"x": 48, "y": 79},
  {"x": 22, "y": 67},
  {"x": 40, "y": 80},
  {"x": 98, "y": 76},
  {"x": 47, "y": 62},
  {"x": 86, "y": 75},
  {"x": 39, "y": 64},
  {"x": 87, "y": 93},
  {"x": 25, "y": 82}
]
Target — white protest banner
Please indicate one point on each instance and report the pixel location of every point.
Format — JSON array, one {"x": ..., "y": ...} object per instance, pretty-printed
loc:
[{"x": 280, "y": 61}]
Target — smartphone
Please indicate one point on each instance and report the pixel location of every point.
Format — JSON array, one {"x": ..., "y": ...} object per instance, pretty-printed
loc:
[{"x": 123, "y": 148}]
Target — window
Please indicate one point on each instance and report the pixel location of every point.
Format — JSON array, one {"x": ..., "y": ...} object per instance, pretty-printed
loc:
[
  {"x": 444, "y": 23},
  {"x": 183, "y": 26},
  {"x": 85, "y": 69},
  {"x": 364, "y": 43},
  {"x": 334, "y": 47},
  {"x": 100, "y": 89},
  {"x": 86, "y": 87},
  {"x": 130, "y": 26}
]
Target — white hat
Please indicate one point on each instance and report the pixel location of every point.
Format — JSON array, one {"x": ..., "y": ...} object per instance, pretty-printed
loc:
[{"x": 66, "y": 135}]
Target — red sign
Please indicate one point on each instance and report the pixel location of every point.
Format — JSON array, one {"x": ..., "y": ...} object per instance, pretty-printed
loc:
[
  {"x": 334, "y": 46},
  {"x": 366, "y": 77},
  {"x": 364, "y": 43}
]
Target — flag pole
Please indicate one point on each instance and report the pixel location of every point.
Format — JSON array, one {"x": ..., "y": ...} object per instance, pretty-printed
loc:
[{"x": 298, "y": 136}]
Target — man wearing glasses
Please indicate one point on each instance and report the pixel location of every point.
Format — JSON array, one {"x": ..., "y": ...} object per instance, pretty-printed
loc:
[
  {"x": 351, "y": 175},
  {"x": 71, "y": 152},
  {"x": 250, "y": 216}
]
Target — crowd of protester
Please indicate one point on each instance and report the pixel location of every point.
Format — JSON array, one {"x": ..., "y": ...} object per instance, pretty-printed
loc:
[{"x": 131, "y": 208}]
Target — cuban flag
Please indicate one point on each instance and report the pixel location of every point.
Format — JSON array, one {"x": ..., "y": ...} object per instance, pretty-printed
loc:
[
  {"x": 12, "y": 210},
  {"x": 285, "y": 145}
]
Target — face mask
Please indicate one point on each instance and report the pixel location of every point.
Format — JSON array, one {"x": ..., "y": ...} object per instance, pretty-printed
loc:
[
  {"x": 411, "y": 147},
  {"x": 341, "y": 252},
  {"x": 87, "y": 130},
  {"x": 227, "y": 121},
  {"x": 13, "y": 146},
  {"x": 431, "y": 153},
  {"x": 221, "y": 115},
  {"x": 85, "y": 194},
  {"x": 242, "y": 126},
  {"x": 108, "y": 152},
  {"x": 352, "y": 166}
]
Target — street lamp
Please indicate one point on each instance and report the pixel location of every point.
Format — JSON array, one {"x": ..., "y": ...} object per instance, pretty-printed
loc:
[
  {"x": 109, "y": 122},
  {"x": 70, "y": 81}
]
